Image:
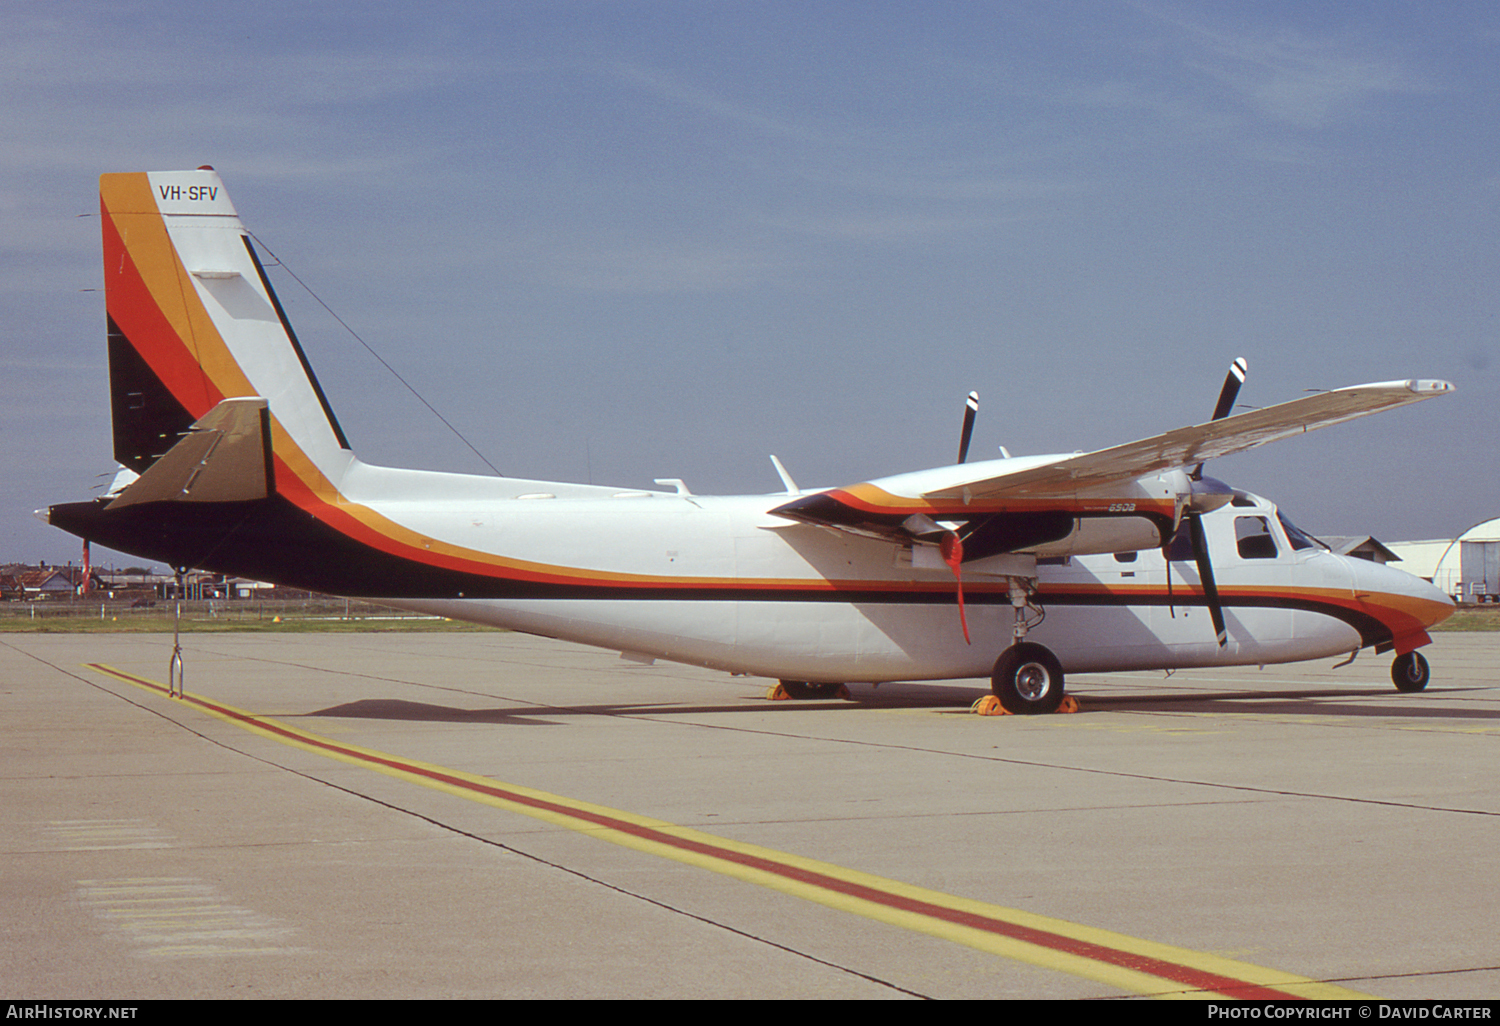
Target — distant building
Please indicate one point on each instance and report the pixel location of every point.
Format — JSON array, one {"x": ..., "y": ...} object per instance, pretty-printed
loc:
[
  {"x": 1360, "y": 547},
  {"x": 31, "y": 583},
  {"x": 1466, "y": 567}
]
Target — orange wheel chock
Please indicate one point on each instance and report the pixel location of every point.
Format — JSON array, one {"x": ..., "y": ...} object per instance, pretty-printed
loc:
[
  {"x": 990, "y": 705},
  {"x": 778, "y": 694}
]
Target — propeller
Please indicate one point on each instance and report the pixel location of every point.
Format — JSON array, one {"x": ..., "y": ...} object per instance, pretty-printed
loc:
[
  {"x": 1206, "y": 576},
  {"x": 1204, "y": 496},
  {"x": 952, "y": 548},
  {"x": 1227, "y": 395},
  {"x": 970, "y": 409},
  {"x": 923, "y": 528},
  {"x": 951, "y": 545}
]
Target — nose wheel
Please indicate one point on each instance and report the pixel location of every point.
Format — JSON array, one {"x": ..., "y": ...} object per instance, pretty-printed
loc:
[
  {"x": 1410, "y": 672},
  {"x": 1028, "y": 679}
]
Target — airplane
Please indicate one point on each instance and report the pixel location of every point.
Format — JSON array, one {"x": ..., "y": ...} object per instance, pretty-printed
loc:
[{"x": 1019, "y": 569}]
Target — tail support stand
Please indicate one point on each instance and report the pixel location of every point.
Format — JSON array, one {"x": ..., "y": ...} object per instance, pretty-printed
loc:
[{"x": 174, "y": 669}]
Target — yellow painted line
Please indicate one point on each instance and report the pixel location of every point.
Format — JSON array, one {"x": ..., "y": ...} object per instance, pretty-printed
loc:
[{"x": 1126, "y": 963}]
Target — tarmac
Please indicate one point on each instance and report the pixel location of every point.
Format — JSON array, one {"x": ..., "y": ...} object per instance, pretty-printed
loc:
[{"x": 392, "y": 815}]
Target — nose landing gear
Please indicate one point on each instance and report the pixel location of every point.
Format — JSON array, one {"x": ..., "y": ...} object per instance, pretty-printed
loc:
[{"x": 1410, "y": 672}]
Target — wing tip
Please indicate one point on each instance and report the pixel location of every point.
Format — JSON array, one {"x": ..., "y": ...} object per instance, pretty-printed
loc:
[{"x": 1429, "y": 386}]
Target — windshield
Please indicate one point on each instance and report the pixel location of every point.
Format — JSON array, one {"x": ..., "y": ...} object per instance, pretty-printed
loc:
[{"x": 1299, "y": 538}]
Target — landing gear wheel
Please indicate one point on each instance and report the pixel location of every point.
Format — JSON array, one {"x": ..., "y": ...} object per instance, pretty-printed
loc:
[
  {"x": 1410, "y": 672},
  {"x": 810, "y": 689},
  {"x": 1028, "y": 679}
]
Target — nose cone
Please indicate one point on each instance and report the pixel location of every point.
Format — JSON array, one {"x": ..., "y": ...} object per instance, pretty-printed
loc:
[{"x": 1405, "y": 604}]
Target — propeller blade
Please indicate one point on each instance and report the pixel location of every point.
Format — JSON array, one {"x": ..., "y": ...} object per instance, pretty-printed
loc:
[
  {"x": 1206, "y": 576},
  {"x": 1232, "y": 382},
  {"x": 952, "y": 548},
  {"x": 971, "y": 408},
  {"x": 1227, "y": 395},
  {"x": 1166, "y": 558}
]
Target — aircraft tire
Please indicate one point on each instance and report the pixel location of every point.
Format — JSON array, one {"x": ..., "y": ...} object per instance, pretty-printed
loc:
[
  {"x": 810, "y": 689},
  {"x": 1028, "y": 680},
  {"x": 1410, "y": 672}
]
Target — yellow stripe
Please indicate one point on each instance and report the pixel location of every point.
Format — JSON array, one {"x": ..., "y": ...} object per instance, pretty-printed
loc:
[
  {"x": 143, "y": 232},
  {"x": 583, "y": 817}
]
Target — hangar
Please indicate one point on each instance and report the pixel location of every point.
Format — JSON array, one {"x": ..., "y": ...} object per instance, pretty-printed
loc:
[{"x": 1466, "y": 567}]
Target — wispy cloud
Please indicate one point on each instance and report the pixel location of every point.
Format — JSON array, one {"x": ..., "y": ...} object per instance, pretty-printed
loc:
[
  {"x": 675, "y": 90},
  {"x": 647, "y": 267},
  {"x": 1290, "y": 76}
]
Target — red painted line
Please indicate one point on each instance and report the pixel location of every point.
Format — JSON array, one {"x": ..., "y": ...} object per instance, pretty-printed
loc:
[{"x": 1187, "y": 975}]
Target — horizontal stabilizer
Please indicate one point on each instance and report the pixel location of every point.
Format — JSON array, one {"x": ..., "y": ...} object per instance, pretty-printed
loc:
[{"x": 224, "y": 457}]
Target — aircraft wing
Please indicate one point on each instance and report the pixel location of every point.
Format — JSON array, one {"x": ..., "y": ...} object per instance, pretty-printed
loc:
[
  {"x": 1186, "y": 446},
  {"x": 1033, "y": 499}
]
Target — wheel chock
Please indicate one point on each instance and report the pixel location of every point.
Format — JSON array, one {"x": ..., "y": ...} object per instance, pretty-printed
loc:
[
  {"x": 778, "y": 694},
  {"x": 990, "y": 705}
]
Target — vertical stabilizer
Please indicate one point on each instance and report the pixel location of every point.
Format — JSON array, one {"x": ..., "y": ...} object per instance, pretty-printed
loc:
[{"x": 193, "y": 321}]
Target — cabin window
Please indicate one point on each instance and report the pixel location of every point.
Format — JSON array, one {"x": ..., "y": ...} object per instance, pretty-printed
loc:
[
  {"x": 1254, "y": 539},
  {"x": 1125, "y": 557}
]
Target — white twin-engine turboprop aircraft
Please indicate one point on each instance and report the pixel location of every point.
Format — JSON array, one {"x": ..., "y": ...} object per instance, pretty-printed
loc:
[{"x": 1018, "y": 569}]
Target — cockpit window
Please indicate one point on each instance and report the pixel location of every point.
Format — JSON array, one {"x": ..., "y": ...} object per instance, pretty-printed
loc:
[
  {"x": 1254, "y": 539},
  {"x": 1299, "y": 538}
]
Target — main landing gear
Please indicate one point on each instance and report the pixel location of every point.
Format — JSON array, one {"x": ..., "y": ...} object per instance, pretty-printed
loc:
[
  {"x": 1028, "y": 679},
  {"x": 803, "y": 689},
  {"x": 1410, "y": 672}
]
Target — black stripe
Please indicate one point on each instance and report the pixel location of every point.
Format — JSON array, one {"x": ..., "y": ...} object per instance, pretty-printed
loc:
[
  {"x": 286, "y": 325},
  {"x": 146, "y": 417},
  {"x": 273, "y": 540}
]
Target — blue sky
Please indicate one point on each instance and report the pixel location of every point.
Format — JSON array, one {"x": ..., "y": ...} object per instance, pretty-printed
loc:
[{"x": 616, "y": 241}]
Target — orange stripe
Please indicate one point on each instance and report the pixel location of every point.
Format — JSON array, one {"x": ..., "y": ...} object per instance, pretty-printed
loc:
[{"x": 146, "y": 274}]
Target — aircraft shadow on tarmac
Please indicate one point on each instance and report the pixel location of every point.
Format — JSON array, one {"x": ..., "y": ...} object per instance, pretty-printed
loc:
[
  {"x": 957, "y": 700},
  {"x": 1373, "y": 702}
]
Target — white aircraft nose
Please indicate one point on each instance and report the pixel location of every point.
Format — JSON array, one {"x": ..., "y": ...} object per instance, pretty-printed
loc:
[{"x": 1406, "y": 604}]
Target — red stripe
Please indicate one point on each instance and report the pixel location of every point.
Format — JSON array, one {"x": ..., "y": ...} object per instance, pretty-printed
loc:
[
  {"x": 1196, "y": 979},
  {"x": 135, "y": 311}
]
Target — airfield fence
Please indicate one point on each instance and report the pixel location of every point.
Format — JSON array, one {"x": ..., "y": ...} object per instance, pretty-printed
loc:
[{"x": 229, "y": 611}]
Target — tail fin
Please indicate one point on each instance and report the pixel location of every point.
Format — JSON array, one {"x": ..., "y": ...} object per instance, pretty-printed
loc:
[{"x": 193, "y": 321}]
